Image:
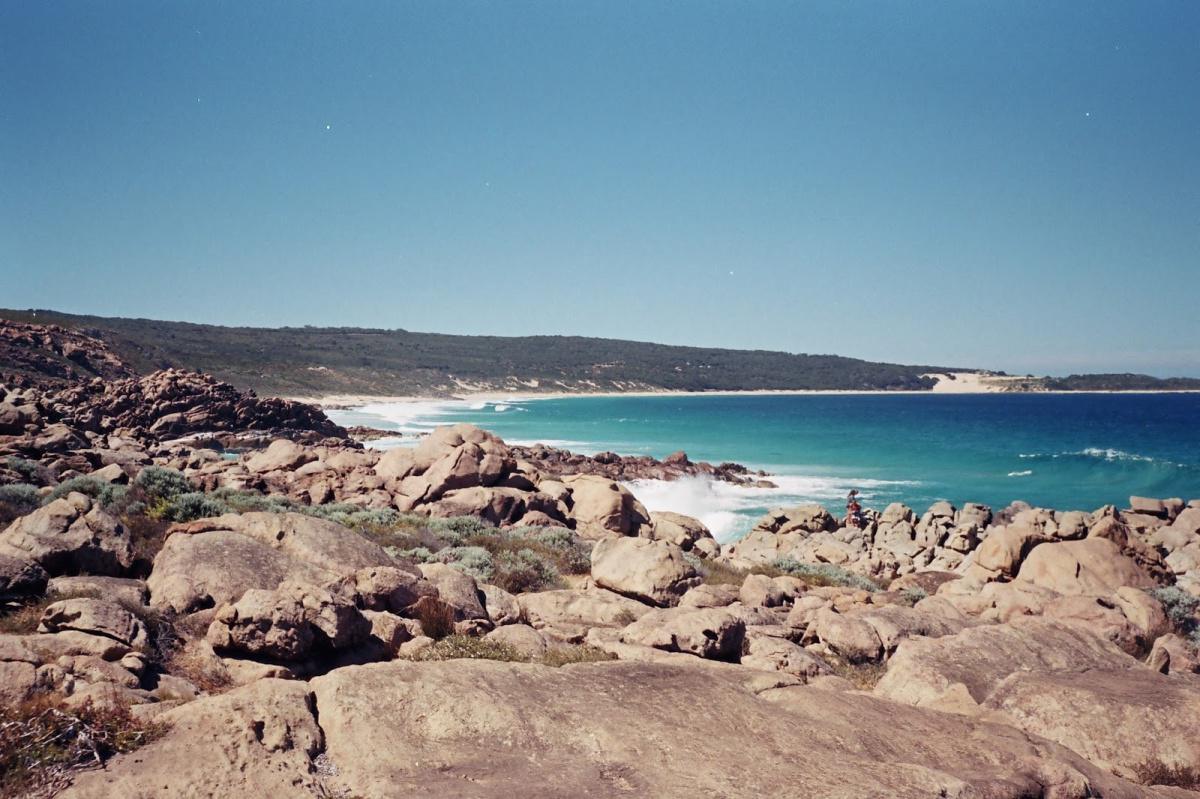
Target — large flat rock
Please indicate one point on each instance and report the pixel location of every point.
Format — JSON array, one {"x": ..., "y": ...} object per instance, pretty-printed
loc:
[
  {"x": 958, "y": 672},
  {"x": 484, "y": 729},
  {"x": 1117, "y": 719}
]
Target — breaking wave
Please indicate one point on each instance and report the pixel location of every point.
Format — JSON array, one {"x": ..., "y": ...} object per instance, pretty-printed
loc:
[
  {"x": 730, "y": 510},
  {"x": 1099, "y": 453}
]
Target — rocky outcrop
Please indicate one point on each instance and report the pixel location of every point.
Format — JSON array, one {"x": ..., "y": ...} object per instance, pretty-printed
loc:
[
  {"x": 175, "y": 402},
  {"x": 627, "y": 468},
  {"x": 95, "y": 617},
  {"x": 602, "y": 508},
  {"x": 21, "y": 578},
  {"x": 70, "y": 535},
  {"x": 33, "y": 355},
  {"x": 1090, "y": 566},
  {"x": 292, "y": 623}
]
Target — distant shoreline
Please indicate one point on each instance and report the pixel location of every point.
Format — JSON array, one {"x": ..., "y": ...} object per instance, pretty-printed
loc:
[{"x": 349, "y": 401}]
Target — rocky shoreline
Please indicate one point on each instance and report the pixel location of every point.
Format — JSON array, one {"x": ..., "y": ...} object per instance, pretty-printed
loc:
[{"x": 263, "y": 607}]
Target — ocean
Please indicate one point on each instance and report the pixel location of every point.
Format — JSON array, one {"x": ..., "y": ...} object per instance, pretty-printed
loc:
[{"x": 1064, "y": 451}]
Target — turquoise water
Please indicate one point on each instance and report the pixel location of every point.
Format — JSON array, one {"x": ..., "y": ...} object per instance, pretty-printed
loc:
[{"x": 1054, "y": 450}]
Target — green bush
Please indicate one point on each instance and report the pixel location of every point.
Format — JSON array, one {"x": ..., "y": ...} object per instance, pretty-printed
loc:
[
  {"x": 418, "y": 554},
  {"x": 22, "y": 498},
  {"x": 251, "y": 502},
  {"x": 912, "y": 595},
  {"x": 1182, "y": 609},
  {"x": 30, "y": 470},
  {"x": 191, "y": 506},
  {"x": 457, "y": 530},
  {"x": 571, "y": 556},
  {"x": 823, "y": 574},
  {"x": 716, "y": 572},
  {"x": 525, "y": 570},
  {"x": 107, "y": 494},
  {"x": 159, "y": 484},
  {"x": 473, "y": 560}
]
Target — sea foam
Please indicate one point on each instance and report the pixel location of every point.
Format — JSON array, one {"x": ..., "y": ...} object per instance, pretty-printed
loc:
[{"x": 729, "y": 510}]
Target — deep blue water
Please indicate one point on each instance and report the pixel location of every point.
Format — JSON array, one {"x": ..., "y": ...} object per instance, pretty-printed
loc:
[{"x": 1054, "y": 450}]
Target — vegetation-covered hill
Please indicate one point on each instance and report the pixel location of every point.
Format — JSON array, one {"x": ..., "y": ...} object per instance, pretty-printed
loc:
[
  {"x": 311, "y": 361},
  {"x": 1120, "y": 382}
]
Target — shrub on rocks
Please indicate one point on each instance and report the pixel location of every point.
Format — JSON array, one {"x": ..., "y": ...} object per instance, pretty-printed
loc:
[
  {"x": 577, "y": 653},
  {"x": 17, "y": 499},
  {"x": 465, "y": 647},
  {"x": 160, "y": 484},
  {"x": 21, "y": 618},
  {"x": 475, "y": 561},
  {"x": 518, "y": 560},
  {"x": 30, "y": 470},
  {"x": 818, "y": 574},
  {"x": 191, "y": 506},
  {"x": 1182, "y": 609},
  {"x": 106, "y": 494}
]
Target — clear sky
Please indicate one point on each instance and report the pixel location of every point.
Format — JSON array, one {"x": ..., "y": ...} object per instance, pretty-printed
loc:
[{"x": 1013, "y": 185}]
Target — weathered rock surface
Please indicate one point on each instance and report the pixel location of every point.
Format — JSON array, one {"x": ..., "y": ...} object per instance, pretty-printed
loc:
[
  {"x": 958, "y": 672},
  {"x": 1118, "y": 719},
  {"x": 573, "y": 611},
  {"x": 95, "y": 617},
  {"x": 682, "y": 531},
  {"x": 712, "y": 633},
  {"x": 650, "y": 571},
  {"x": 581, "y": 731},
  {"x": 68, "y": 536},
  {"x": 259, "y": 740},
  {"x": 603, "y": 508},
  {"x": 1090, "y": 566},
  {"x": 215, "y": 561},
  {"x": 21, "y": 577}
]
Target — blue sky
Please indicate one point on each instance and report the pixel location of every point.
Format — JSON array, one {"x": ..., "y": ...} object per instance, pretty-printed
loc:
[{"x": 1013, "y": 185}]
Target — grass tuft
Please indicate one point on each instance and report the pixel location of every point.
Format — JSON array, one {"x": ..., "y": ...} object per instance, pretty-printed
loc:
[
  {"x": 863, "y": 676},
  {"x": 436, "y": 617},
  {"x": 1155, "y": 772}
]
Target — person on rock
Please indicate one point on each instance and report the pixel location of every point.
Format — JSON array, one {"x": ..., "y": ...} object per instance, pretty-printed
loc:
[{"x": 853, "y": 509}]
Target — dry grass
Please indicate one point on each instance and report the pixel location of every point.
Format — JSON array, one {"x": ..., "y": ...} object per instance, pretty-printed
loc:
[
  {"x": 582, "y": 653},
  {"x": 21, "y": 618},
  {"x": 464, "y": 647},
  {"x": 207, "y": 674},
  {"x": 147, "y": 535},
  {"x": 862, "y": 676},
  {"x": 1155, "y": 772},
  {"x": 43, "y": 742},
  {"x": 436, "y": 617}
]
